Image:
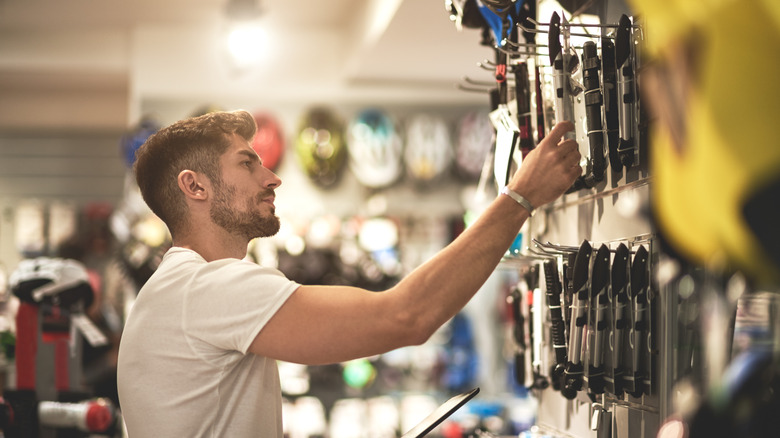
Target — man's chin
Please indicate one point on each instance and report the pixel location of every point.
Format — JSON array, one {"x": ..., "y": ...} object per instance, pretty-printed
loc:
[{"x": 268, "y": 227}]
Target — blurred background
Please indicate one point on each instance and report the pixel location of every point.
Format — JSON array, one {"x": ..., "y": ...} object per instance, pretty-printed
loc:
[{"x": 392, "y": 124}]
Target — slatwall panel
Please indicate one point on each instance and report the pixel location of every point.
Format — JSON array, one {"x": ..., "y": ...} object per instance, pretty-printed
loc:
[
  {"x": 75, "y": 168},
  {"x": 78, "y": 168}
]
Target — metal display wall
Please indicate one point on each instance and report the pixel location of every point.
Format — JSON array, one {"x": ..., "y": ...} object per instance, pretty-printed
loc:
[
  {"x": 627, "y": 325},
  {"x": 588, "y": 345}
]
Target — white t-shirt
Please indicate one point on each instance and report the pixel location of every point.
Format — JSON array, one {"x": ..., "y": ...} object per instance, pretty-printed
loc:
[{"x": 183, "y": 369}]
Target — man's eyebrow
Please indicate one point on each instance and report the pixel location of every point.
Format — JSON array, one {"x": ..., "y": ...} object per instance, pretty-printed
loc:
[{"x": 251, "y": 155}]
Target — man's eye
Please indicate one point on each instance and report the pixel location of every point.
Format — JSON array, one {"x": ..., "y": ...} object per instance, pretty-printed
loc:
[{"x": 247, "y": 163}]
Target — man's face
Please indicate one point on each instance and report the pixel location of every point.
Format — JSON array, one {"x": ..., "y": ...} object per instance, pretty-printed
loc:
[{"x": 244, "y": 194}]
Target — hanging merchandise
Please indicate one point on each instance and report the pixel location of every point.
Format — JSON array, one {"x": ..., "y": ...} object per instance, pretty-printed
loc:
[
  {"x": 319, "y": 146},
  {"x": 428, "y": 148},
  {"x": 474, "y": 141},
  {"x": 133, "y": 139},
  {"x": 611, "y": 102},
  {"x": 714, "y": 156},
  {"x": 465, "y": 13},
  {"x": 501, "y": 16},
  {"x": 618, "y": 296},
  {"x": 557, "y": 324},
  {"x": 375, "y": 149},
  {"x": 597, "y": 320},
  {"x": 565, "y": 63},
  {"x": 269, "y": 140},
  {"x": 523, "y": 99},
  {"x": 573, "y": 375},
  {"x": 591, "y": 64},
  {"x": 624, "y": 62}
]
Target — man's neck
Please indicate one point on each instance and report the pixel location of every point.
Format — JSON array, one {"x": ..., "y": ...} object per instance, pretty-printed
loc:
[{"x": 212, "y": 243}]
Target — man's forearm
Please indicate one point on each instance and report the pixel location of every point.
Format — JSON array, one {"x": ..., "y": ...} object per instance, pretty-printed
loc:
[{"x": 439, "y": 288}]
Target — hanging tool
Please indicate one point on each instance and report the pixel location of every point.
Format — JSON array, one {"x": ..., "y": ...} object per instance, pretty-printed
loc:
[
  {"x": 626, "y": 91},
  {"x": 591, "y": 64},
  {"x": 564, "y": 64},
  {"x": 611, "y": 103},
  {"x": 557, "y": 324},
  {"x": 518, "y": 333},
  {"x": 507, "y": 131},
  {"x": 573, "y": 376},
  {"x": 568, "y": 281},
  {"x": 620, "y": 318},
  {"x": 599, "y": 305},
  {"x": 638, "y": 295},
  {"x": 523, "y": 98},
  {"x": 533, "y": 301}
]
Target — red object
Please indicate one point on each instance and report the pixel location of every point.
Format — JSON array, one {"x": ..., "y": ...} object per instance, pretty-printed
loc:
[
  {"x": 269, "y": 141},
  {"x": 99, "y": 417},
  {"x": 26, "y": 345},
  {"x": 61, "y": 369}
]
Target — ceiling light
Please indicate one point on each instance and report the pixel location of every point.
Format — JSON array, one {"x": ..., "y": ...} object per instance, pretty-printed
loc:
[
  {"x": 246, "y": 43},
  {"x": 245, "y": 38}
]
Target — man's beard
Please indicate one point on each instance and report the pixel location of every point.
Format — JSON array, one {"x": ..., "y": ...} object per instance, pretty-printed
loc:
[{"x": 248, "y": 222}]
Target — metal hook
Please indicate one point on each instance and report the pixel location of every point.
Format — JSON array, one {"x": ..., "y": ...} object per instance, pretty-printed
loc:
[
  {"x": 518, "y": 45},
  {"x": 540, "y": 255},
  {"x": 462, "y": 87},
  {"x": 524, "y": 256},
  {"x": 548, "y": 249},
  {"x": 548, "y": 246},
  {"x": 562, "y": 248},
  {"x": 528, "y": 29},
  {"x": 486, "y": 65},
  {"x": 468, "y": 80},
  {"x": 583, "y": 25},
  {"x": 513, "y": 52}
]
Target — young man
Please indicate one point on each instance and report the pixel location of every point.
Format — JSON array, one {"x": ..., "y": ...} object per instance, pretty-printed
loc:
[{"x": 197, "y": 356}]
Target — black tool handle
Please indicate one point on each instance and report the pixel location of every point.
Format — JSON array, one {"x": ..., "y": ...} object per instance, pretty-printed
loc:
[
  {"x": 596, "y": 382},
  {"x": 593, "y": 100},
  {"x": 557, "y": 327},
  {"x": 611, "y": 111},
  {"x": 523, "y": 97},
  {"x": 573, "y": 375},
  {"x": 626, "y": 91}
]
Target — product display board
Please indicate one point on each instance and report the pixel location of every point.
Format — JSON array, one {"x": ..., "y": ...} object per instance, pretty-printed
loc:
[
  {"x": 626, "y": 325},
  {"x": 588, "y": 318}
]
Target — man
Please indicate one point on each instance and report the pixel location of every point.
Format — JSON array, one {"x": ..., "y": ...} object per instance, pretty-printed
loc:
[{"x": 197, "y": 356}]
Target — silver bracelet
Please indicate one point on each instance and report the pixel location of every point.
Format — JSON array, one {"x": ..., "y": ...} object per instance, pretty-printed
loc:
[{"x": 519, "y": 199}]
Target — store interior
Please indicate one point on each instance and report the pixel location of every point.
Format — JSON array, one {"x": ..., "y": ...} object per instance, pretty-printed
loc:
[{"x": 641, "y": 303}]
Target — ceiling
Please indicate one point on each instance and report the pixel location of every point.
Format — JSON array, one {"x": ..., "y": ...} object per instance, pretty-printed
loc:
[{"x": 97, "y": 64}]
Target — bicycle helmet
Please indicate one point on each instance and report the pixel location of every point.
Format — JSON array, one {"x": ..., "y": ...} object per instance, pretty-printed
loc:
[
  {"x": 135, "y": 137},
  {"x": 374, "y": 149},
  {"x": 319, "y": 146},
  {"x": 269, "y": 140},
  {"x": 428, "y": 151},
  {"x": 475, "y": 138}
]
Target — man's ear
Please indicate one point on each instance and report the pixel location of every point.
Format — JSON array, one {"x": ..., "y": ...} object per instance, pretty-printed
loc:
[{"x": 194, "y": 185}]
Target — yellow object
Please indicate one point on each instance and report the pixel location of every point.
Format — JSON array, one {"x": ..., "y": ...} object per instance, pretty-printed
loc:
[{"x": 720, "y": 64}]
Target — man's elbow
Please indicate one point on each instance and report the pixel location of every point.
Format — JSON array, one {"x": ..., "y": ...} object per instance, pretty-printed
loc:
[{"x": 415, "y": 329}]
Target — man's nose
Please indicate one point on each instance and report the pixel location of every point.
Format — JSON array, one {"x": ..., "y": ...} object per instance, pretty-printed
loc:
[{"x": 270, "y": 179}]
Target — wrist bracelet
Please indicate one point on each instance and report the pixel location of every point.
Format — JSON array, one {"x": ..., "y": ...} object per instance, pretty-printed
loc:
[{"x": 519, "y": 199}]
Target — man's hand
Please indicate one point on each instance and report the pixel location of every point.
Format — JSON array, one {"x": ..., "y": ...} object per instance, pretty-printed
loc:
[{"x": 550, "y": 169}]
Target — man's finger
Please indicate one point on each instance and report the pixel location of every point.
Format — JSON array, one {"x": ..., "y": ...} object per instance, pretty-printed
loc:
[
  {"x": 559, "y": 130},
  {"x": 567, "y": 146}
]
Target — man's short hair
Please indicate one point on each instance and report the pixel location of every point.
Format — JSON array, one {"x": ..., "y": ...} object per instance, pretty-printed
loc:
[{"x": 191, "y": 144}]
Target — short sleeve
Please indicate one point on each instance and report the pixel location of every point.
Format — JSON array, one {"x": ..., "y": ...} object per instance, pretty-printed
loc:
[{"x": 229, "y": 301}]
